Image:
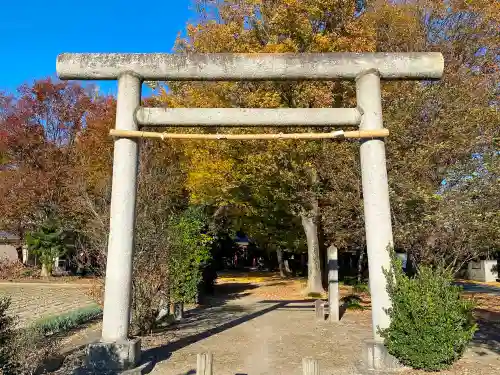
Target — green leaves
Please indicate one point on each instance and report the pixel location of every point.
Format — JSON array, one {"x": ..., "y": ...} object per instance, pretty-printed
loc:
[
  {"x": 431, "y": 324},
  {"x": 190, "y": 253},
  {"x": 62, "y": 323},
  {"x": 48, "y": 243}
]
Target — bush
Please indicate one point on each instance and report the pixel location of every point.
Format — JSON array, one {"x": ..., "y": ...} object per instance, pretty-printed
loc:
[
  {"x": 22, "y": 351},
  {"x": 190, "y": 243},
  {"x": 352, "y": 302},
  {"x": 6, "y": 337},
  {"x": 11, "y": 270},
  {"x": 431, "y": 324},
  {"x": 33, "y": 350}
]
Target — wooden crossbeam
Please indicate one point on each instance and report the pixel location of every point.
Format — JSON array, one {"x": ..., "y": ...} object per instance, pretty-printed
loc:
[{"x": 340, "y": 134}]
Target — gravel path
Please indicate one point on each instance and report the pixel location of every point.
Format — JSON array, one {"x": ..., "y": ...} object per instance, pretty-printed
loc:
[
  {"x": 254, "y": 338},
  {"x": 262, "y": 338}
]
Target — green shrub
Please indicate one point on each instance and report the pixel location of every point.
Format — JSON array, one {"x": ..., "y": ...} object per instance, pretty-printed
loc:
[
  {"x": 431, "y": 324},
  {"x": 65, "y": 322},
  {"x": 352, "y": 302},
  {"x": 361, "y": 288},
  {"x": 190, "y": 254}
]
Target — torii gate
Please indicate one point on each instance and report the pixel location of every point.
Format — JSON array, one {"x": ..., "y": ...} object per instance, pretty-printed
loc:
[{"x": 367, "y": 69}]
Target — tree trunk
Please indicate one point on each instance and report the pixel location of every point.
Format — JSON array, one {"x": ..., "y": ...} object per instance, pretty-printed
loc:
[
  {"x": 45, "y": 271},
  {"x": 281, "y": 264},
  {"x": 310, "y": 224},
  {"x": 361, "y": 258}
]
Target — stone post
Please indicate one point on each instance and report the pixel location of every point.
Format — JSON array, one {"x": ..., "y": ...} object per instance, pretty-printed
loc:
[
  {"x": 310, "y": 366},
  {"x": 204, "y": 364},
  {"x": 332, "y": 264}
]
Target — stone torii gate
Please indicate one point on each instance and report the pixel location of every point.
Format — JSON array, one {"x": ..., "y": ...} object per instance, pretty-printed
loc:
[{"x": 367, "y": 69}]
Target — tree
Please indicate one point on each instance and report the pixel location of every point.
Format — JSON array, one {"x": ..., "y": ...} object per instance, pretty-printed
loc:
[
  {"x": 47, "y": 244},
  {"x": 272, "y": 26},
  {"x": 274, "y": 229},
  {"x": 434, "y": 126},
  {"x": 437, "y": 127},
  {"x": 160, "y": 198},
  {"x": 467, "y": 216},
  {"x": 38, "y": 129}
]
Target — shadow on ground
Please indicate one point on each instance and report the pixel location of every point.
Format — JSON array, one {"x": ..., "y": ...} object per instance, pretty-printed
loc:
[
  {"x": 488, "y": 334},
  {"x": 478, "y": 288},
  {"x": 205, "y": 322},
  {"x": 226, "y": 292}
]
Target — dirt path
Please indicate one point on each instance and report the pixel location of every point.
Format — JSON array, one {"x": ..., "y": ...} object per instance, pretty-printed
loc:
[
  {"x": 250, "y": 337},
  {"x": 268, "y": 328}
]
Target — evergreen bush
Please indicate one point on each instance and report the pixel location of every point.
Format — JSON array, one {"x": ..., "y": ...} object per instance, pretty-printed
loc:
[{"x": 431, "y": 324}]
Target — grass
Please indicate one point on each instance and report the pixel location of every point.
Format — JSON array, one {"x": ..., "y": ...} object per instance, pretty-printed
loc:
[{"x": 65, "y": 322}]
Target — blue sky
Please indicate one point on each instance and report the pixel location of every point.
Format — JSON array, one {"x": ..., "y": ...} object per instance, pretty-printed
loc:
[{"x": 34, "y": 32}]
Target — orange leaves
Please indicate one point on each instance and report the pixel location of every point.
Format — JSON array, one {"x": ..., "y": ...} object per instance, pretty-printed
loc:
[{"x": 48, "y": 143}]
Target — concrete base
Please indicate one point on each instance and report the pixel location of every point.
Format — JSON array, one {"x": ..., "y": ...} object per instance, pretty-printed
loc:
[
  {"x": 377, "y": 358},
  {"x": 115, "y": 356}
]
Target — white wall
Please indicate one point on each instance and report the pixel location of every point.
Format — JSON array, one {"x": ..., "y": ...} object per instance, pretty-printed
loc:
[
  {"x": 483, "y": 270},
  {"x": 8, "y": 252}
]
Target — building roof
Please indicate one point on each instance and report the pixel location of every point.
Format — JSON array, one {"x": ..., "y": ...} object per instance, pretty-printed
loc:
[
  {"x": 8, "y": 237},
  {"x": 242, "y": 240}
]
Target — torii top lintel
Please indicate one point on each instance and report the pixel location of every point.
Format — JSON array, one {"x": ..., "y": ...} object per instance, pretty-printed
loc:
[{"x": 248, "y": 67}]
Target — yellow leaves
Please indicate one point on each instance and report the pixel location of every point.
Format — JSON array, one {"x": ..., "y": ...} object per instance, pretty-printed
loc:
[
  {"x": 280, "y": 26},
  {"x": 286, "y": 46},
  {"x": 209, "y": 175},
  {"x": 219, "y": 38},
  {"x": 396, "y": 27},
  {"x": 321, "y": 43},
  {"x": 200, "y": 95},
  {"x": 262, "y": 98}
]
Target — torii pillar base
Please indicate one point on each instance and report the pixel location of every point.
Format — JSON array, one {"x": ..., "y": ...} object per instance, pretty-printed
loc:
[
  {"x": 118, "y": 356},
  {"x": 377, "y": 359}
]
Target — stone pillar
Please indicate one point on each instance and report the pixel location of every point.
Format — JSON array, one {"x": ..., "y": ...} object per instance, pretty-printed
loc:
[
  {"x": 332, "y": 264},
  {"x": 117, "y": 294},
  {"x": 377, "y": 213}
]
